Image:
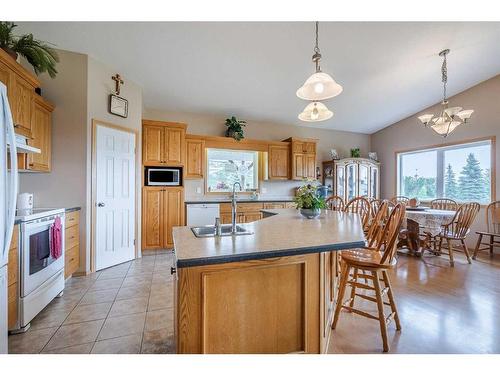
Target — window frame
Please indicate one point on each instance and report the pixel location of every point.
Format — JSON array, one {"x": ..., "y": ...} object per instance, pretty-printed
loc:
[
  {"x": 259, "y": 166},
  {"x": 451, "y": 145}
]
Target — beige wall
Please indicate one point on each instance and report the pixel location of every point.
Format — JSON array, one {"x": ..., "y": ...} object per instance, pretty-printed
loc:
[
  {"x": 99, "y": 86},
  {"x": 409, "y": 133},
  {"x": 214, "y": 125},
  {"x": 65, "y": 185}
]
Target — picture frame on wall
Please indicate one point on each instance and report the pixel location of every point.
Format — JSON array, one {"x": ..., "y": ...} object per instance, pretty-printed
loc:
[{"x": 118, "y": 106}]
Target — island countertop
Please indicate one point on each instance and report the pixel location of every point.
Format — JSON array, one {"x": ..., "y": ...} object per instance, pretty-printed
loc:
[{"x": 284, "y": 233}]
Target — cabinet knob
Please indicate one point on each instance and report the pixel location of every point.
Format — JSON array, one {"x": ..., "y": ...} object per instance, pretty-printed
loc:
[
  {"x": 100, "y": 204},
  {"x": 173, "y": 270}
]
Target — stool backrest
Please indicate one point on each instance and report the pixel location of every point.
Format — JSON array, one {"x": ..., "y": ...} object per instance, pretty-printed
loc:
[
  {"x": 335, "y": 203},
  {"x": 377, "y": 223},
  {"x": 390, "y": 232},
  {"x": 360, "y": 206},
  {"x": 493, "y": 217}
]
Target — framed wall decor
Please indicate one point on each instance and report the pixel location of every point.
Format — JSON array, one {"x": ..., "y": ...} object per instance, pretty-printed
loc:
[{"x": 118, "y": 105}]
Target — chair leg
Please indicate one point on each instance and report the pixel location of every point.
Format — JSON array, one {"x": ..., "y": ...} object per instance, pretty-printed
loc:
[
  {"x": 466, "y": 251},
  {"x": 478, "y": 244},
  {"x": 450, "y": 250},
  {"x": 440, "y": 245},
  {"x": 491, "y": 245},
  {"x": 394, "y": 309},
  {"x": 353, "y": 288},
  {"x": 344, "y": 275},
  {"x": 380, "y": 306}
]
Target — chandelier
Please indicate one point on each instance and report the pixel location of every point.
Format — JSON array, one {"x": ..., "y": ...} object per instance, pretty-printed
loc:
[
  {"x": 449, "y": 118},
  {"x": 319, "y": 86}
]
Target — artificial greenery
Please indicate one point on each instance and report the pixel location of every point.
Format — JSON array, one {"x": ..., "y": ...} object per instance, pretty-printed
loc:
[
  {"x": 307, "y": 197},
  {"x": 235, "y": 128},
  {"x": 39, "y": 54},
  {"x": 355, "y": 152}
]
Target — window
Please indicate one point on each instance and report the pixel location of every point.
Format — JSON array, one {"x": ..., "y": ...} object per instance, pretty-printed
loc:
[
  {"x": 460, "y": 172},
  {"x": 225, "y": 167}
]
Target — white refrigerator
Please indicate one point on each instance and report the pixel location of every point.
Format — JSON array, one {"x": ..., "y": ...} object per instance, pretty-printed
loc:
[{"x": 8, "y": 193}]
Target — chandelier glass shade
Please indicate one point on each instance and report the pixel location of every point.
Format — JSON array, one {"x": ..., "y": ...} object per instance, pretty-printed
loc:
[
  {"x": 319, "y": 86},
  {"x": 314, "y": 112},
  {"x": 449, "y": 118}
]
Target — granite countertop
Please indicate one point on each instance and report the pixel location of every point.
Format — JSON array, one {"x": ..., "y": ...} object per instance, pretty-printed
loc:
[
  {"x": 206, "y": 200},
  {"x": 284, "y": 233}
]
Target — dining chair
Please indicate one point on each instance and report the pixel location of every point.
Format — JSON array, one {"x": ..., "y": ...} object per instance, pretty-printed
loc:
[
  {"x": 492, "y": 229},
  {"x": 400, "y": 199},
  {"x": 444, "y": 204},
  {"x": 377, "y": 223},
  {"x": 362, "y": 207},
  {"x": 335, "y": 203},
  {"x": 372, "y": 264},
  {"x": 458, "y": 229},
  {"x": 375, "y": 205}
]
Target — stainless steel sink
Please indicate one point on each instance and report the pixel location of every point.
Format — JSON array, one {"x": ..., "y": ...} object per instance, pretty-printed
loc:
[{"x": 209, "y": 231}]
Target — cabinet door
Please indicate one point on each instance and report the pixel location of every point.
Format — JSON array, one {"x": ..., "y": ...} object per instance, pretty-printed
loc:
[
  {"x": 351, "y": 177},
  {"x": 41, "y": 138},
  {"x": 310, "y": 148},
  {"x": 252, "y": 216},
  {"x": 174, "y": 149},
  {"x": 194, "y": 158},
  {"x": 310, "y": 165},
  {"x": 298, "y": 167},
  {"x": 152, "y": 218},
  {"x": 21, "y": 105},
  {"x": 279, "y": 157},
  {"x": 173, "y": 210},
  {"x": 225, "y": 218},
  {"x": 363, "y": 181},
  {"x": 340, "y": 181},
  {"x": 152, "y": 145},
  {"x": 374, "y": 178}
]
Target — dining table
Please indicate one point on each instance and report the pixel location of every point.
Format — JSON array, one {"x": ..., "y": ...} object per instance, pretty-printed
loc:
[{"x": 423, "y": 220}]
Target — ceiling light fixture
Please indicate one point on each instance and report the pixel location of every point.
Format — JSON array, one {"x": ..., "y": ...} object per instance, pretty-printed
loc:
[
  {"x": 319, "y": 86},
  {"x": 315, "y": 111},
  {"x": 449, "y": 118}
]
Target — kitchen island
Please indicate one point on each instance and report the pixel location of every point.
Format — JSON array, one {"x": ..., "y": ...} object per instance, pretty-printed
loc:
[{"x": 269, "y": 292}]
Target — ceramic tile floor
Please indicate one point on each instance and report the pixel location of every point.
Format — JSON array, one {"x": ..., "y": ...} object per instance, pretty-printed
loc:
[{"x": 123, "y": 309}]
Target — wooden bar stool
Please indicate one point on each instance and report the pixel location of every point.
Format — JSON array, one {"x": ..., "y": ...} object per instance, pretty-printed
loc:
[
  {"x": 362, "y": 207},
  {"x": 373, "y": 262}
]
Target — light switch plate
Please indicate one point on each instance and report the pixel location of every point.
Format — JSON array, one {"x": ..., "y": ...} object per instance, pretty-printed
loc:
[{"x": 198, "y": 190}]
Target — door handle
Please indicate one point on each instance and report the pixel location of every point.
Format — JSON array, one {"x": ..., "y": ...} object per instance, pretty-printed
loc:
[{"x": 100, "y": 204}]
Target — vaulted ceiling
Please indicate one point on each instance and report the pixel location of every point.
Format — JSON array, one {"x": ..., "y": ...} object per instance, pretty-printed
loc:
[{"x": 389, "y": 71}]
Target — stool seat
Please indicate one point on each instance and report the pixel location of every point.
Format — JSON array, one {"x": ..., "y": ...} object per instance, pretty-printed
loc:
[{"x": 366, "y": 258}]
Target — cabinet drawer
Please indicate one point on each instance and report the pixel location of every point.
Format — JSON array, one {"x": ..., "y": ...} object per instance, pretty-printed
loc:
[
  {"x": 12, "y": 305},
  {"x": 71, "y": 261},
  {"x": 72, "y": 218},
  {"x": 13, "y": 266},
  {"x": 71, "y": 237},
  {"x": 273, "y": 205}
]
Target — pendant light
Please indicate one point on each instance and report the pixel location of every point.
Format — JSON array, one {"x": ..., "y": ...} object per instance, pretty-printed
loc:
[
  {"x": 315, "y": 111},
  {"x": 319, "y": 86},
  {"x": 449, "y": 118}
]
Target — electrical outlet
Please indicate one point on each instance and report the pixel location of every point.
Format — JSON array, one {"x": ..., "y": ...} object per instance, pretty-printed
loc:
[{"x": 198, "y": 190}]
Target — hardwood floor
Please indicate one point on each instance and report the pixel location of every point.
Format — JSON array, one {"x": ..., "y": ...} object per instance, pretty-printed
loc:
[{"x": 442, "y": 309}]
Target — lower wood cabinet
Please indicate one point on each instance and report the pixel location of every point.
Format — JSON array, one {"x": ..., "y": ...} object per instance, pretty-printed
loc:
[
  {"x": 162, "y": 209},
  {"x": 12, "y": 279},
  {"x": 71, "y": 243},
  {"x": 245, "y": 212}
]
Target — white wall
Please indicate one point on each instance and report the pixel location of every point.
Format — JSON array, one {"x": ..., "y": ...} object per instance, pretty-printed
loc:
[{"x": 410, "y": 133}]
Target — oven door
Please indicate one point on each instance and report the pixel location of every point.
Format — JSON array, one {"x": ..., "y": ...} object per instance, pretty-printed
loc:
[{"x": 37, "y": 263}]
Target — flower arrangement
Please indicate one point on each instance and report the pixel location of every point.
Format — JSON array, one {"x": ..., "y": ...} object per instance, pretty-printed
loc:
[{"x": 308, "y": 201}]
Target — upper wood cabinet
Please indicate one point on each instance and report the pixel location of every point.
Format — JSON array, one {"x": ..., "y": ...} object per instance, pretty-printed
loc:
[
  {"x": 279, "y": 162},
  {"x": 303, "y": 158},
  {"x": 163, "y": 143},
  {"x": 41, "y": 115},
  {"x": 162, "y": 209},
  {"x": 195, "y": 156}
]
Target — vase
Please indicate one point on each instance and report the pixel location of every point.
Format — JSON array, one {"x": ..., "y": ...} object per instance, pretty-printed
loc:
[{"x": 310, "y": 213}]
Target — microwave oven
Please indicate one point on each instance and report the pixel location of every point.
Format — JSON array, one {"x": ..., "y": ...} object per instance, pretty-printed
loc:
[{"x": 163, "y": 176}]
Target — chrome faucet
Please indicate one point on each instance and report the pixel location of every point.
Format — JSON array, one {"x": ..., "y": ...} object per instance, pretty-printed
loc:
[{"x": 233, "y": 207}]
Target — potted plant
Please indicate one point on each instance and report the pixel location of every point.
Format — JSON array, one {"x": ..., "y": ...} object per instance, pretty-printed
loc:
[
  {"x": 39, "y": 54},
  {"x": 355, "y": 152},
  {"x": 235, "y": 128},
  {"x": 308, "y": 201}
]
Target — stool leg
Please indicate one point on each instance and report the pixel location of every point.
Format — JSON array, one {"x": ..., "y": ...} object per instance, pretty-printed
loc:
[
  {"x": 344, "y": 275},
  {"x": 353, "y": 288},
  {"x": 466, "y": 251},
  {"x": 380, "y": 306},
  {"x": 476, "y": 250},
  {"x": 394, "y": 309},
  {"x": 450, "y": 250}
]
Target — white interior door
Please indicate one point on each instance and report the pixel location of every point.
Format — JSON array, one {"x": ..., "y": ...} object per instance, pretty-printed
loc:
[{"x": 115, "y": 197}]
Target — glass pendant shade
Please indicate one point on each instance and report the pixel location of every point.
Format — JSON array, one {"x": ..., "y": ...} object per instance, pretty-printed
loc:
[
  {"x": 315, "y": 112},
  {"x": 452, "y": 111},
  {"x": 465, "y": 115},
  {"x": 425, "y": 118},
  {"x": 319, "y": 86},
  {"x": 444, "y": 125}
]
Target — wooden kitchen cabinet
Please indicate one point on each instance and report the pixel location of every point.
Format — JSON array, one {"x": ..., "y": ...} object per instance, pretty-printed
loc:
[
  {"x": 13, "y": 279},
  {"x": 163, "y": 143},
  {"x": 21, "y": 105},
  {"x": 279, "y": 162},
  {"x": 328, "y": 287},
  {"x": 71, "y": 243},
  {"x": 163, "y": 209},
  {"x": 303, "y": 158},
  {"x": 195, "y": 156}
]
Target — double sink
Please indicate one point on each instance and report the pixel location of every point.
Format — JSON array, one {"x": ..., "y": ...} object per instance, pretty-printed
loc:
[{"x": 226, "y": 230}]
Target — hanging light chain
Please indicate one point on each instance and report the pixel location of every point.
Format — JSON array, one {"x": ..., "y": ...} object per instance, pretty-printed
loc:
[
  {"x": 316, "y": 48},
  {"x": 317, "y": 56},
  {"x": 444, "y": 77}
]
